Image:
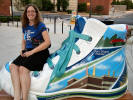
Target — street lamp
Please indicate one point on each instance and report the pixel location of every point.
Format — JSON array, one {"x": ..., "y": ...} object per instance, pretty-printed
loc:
[
  {"x": 90, "y": 11},
  {"x": 12, "y": 10},
  {"x": 89, "y": 4},
  {"x": 77, "y": 7}
]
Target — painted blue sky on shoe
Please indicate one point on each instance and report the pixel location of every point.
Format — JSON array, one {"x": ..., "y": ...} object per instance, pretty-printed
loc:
[
  {"x": 110, "y": 32},
  {"x": 113, "y": 63}
]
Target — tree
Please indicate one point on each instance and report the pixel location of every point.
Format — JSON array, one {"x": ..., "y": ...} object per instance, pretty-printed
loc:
[
  {"x": 107, "y": 42},
  {"x": 58, "y": 5},
  {"x": 47, "y": 5},
  {"x": 82, "y": 7},
  {"x": 128, "y": 3},
  {"x": 99, "y": 8},
  {"x": 62, "y": 4},
  {"x": 116, "y": 2},
  {"x": 123, "y": 2},
  {"x": 100, "y": 43},
  {"x": 25, "y": 2},
  {"x": 114, "y": 37}
]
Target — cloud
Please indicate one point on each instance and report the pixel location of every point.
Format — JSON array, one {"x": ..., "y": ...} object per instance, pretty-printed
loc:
[
  {"x": 118, "y": 58},
  {"x": 102, "y": 67},
  {"x": 55, "y": 87}
]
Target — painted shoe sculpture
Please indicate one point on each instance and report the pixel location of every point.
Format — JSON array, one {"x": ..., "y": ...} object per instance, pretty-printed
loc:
[{"x": 91, "y": 63}]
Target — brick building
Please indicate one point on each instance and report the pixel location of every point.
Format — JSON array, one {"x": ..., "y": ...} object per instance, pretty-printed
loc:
[
  {"x": 105, "y": 3},
  {"x": 5, "y": 7},
  {"x": 72, "y": 4}
]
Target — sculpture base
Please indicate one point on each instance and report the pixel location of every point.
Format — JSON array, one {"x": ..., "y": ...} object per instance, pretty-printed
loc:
[
  {"x": 5, "y": 96},
  {"x": 127, "y": 96}
]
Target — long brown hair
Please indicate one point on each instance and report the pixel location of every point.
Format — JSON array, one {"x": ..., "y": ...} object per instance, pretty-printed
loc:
[{"x": 25, "y": 20}]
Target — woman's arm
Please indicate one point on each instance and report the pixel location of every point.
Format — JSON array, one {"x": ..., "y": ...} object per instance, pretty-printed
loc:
[
  {"x": 42, "y": 46},
  {"x": 22, "y": 45},
  {"x": 23, "y": 42}
]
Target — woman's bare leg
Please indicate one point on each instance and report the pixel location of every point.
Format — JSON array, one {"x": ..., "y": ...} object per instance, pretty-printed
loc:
[
  {"x": 15, "y": 81},
  {"x": 25, "y": 81}
]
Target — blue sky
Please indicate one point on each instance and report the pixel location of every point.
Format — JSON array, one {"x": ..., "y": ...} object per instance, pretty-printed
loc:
[{"x": 110, "y": 32}]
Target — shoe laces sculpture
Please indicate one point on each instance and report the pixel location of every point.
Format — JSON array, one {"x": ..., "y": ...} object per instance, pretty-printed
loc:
[{"x": 91, "y": 63}]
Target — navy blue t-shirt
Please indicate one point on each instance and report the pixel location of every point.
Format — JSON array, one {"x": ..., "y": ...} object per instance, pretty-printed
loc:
[{"x": 31, "y": 31}]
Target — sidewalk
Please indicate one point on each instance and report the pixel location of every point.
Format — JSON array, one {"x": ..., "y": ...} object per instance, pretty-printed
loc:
[{"x": 116, "y": 14}]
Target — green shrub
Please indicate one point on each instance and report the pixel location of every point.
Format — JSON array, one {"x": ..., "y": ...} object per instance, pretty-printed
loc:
[
  {"x": 16, "y": 18},
  {"x": 69, "y": 11},
  {"x": 82, "y": 7},
  {"x": 5, "y": 19},
  {"x": 99, "y": 8},
  {"x": 123, "y": 2}
]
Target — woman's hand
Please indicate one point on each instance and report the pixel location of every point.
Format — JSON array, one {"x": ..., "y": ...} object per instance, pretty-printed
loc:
[
  {"x": 28, "y": 53},
  {"x": 21, "y": 53}
]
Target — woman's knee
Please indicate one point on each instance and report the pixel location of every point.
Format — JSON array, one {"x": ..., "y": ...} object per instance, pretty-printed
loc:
[
  {"x": 23, "y": 70},
  {"x": 13, "y": 67}
]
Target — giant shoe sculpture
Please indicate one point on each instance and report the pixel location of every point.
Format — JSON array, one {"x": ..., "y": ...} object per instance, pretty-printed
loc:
[{"x": 91, "y": 63}]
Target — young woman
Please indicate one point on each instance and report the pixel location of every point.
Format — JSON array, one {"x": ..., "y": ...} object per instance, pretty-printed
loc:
[{"x": 32, "y": 57}]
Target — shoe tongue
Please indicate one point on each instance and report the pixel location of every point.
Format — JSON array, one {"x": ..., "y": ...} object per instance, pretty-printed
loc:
[{"x": 79, "y": 25}]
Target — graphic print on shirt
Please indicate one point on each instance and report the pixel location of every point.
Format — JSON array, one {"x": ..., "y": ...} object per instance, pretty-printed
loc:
[{"x": 28, "y": 34}]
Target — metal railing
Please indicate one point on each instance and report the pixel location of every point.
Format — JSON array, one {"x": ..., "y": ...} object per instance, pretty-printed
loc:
[{"x": 55, "y": 19}]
